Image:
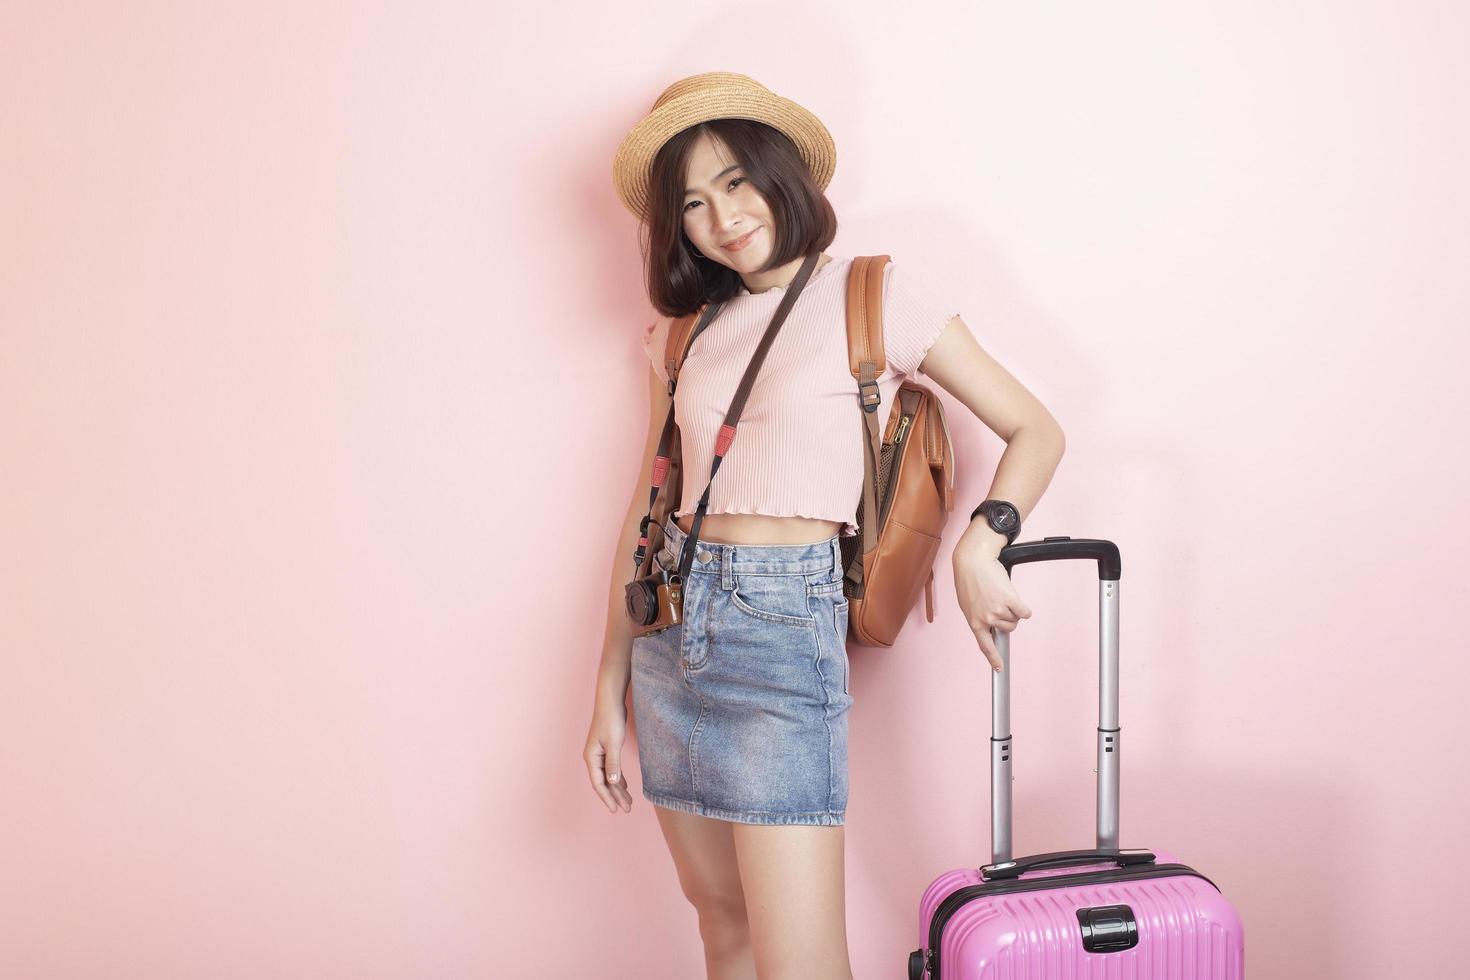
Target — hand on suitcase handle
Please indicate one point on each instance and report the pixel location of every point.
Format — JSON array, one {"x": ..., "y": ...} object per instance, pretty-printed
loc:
[
  {"x": 990, "y": 602},
  {"x": 987, "y": 598}
]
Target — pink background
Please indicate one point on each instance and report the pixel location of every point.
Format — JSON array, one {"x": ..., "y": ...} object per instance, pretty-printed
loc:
[{"x": 322, "y": 396}]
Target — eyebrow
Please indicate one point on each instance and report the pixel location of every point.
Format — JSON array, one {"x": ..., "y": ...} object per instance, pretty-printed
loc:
[{"x": 715, "y": 178}]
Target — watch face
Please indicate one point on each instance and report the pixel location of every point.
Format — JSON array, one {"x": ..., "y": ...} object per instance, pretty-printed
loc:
[{"x": 1005, "y": 517}]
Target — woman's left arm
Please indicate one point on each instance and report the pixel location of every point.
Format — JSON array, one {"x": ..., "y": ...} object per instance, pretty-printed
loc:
[{"x": 1034, "y": 447}]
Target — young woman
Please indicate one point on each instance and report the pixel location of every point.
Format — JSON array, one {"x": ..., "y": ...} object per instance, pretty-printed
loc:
[{"x": 741, "y": 709}]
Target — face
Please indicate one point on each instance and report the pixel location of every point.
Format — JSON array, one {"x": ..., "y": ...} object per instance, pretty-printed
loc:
[{"x": 721, "y": 205}]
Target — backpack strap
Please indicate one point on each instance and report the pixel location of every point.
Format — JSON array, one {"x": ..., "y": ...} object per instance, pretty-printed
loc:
[
  {"x": 681, "y": 337},
  {"x": 668, "y": 462},
  {"x": 865, "y": 315},
  {"x": 676, "y": 345},
  {"x": 867, "y": 360}
]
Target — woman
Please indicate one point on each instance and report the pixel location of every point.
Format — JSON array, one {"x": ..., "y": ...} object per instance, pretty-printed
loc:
[{"x": 742, "y": 707}]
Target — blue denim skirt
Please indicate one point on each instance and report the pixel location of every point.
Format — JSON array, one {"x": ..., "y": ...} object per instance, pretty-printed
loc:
[{"x": 740, "y": 711}]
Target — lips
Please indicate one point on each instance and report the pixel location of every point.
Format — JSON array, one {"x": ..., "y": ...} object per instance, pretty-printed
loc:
[{"x": 742, "y": 241}]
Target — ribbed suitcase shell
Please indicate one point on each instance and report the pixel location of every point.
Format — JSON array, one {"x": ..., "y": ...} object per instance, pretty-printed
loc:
[
  {"x": 1183, "y": 928},
  {"x": 1187, "y": 930}
]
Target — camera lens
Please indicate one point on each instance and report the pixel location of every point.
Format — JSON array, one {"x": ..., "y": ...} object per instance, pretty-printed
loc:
[{"x": 642, "y": 602}]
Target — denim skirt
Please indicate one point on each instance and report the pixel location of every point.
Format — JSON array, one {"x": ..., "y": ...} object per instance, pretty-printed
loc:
[{"x": 740, "y": 711}]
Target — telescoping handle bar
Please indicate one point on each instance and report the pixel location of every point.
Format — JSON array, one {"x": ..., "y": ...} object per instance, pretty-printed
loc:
[{"x": 1109, "y": 733}]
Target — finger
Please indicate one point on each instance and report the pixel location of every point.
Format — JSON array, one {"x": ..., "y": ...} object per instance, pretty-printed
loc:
[
  {"x": 987, "y": 646},
  {"x": 1003, "y": 623},
  {"x": 599, "y": 781},
  {"x": 618, "y": 781},
  {"x": 617, "y": 778},
  {"x": 599, "y": 784},
  {"x": 623, "y": 793}
]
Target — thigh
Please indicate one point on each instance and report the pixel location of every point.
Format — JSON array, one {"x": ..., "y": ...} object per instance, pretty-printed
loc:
[
  {"x": 704, "y": 856},
  {"x": 792, "y": 875}
]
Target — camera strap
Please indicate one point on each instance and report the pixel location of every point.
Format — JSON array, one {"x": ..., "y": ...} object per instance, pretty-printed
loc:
[{"x": 737, "y": 405}]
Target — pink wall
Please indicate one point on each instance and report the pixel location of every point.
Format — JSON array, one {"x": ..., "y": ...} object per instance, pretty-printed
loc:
[{"x": 302, "y": 583}]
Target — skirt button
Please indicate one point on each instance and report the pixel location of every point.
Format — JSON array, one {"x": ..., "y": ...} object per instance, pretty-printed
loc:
[{"x": 704, "y": 556}]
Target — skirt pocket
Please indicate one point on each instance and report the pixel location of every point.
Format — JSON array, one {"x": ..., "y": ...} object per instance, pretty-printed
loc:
[{"x": 773, "y": 599}]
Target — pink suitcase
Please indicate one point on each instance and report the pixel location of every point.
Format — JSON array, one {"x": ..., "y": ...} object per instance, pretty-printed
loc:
[{"x": 1103, "y": 914}]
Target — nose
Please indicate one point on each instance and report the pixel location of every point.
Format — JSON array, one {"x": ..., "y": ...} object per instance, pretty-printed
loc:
[{"x": 726, "y": 216}]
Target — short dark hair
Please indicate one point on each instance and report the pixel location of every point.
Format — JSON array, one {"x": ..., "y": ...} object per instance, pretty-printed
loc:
[{"x": 678, "y": 280}]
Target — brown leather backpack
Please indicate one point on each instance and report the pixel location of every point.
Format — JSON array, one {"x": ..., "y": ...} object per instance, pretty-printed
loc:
[{"x": 908, "y": 473}]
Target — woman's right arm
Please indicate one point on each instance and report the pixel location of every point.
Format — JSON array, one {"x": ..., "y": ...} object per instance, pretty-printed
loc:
[
  {"x": 617, "y": 642},
  {"x": 603, "y": 752}
]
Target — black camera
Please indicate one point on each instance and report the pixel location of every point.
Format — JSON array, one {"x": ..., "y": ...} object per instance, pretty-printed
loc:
[{"x": 653, "y": 602}]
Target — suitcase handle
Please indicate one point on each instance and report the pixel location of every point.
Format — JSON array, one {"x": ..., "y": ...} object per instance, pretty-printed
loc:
[
  {"x": 1109, "y": 732},
  {"x": 1061, "y": 548},
  {"x": 1064, "y": 859}
]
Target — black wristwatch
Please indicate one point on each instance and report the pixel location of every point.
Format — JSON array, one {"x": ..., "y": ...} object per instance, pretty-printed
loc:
[{"x": 1002, "y": 517}]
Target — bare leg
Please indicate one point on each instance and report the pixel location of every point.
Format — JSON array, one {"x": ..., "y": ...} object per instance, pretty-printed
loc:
[
  {"x": 704, "y": 855},
  {"x": 792, "y": 876}
]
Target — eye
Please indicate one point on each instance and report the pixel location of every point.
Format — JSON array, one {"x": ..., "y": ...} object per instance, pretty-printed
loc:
[{"x": 733, "y": 182}]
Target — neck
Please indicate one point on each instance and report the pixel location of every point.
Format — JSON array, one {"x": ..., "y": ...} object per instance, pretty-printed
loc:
[{"x": 781, "y": 275}]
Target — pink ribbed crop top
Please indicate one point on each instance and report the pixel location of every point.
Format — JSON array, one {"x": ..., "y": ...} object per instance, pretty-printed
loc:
[{"x": 796, "y": 451}]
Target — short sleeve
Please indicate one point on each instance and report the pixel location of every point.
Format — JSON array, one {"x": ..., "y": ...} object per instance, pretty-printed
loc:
[
  {"x": 915, "y": 313},
  {"x": 655, "y": 341}
]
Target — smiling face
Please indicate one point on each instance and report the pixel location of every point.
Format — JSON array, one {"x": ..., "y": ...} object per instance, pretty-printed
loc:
[
  {"x": 700, "y": 198},
  {"x": 724, "y": 215}
]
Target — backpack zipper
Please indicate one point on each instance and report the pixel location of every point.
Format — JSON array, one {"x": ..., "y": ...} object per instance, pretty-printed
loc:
[{"x": 895, "y": 449}]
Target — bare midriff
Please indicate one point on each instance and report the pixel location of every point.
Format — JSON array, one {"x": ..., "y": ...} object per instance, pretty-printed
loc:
[{"x": 760, "y": 529}]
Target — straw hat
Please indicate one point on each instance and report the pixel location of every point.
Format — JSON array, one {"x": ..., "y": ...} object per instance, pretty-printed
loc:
[{"x": 715, "y": 95}]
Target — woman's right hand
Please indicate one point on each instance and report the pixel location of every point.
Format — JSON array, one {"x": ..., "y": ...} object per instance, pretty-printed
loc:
[{"x": 603, "y": 755}]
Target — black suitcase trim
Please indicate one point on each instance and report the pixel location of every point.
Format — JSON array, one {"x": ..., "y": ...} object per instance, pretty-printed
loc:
[{"x": 958, "y": 898}]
